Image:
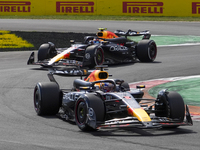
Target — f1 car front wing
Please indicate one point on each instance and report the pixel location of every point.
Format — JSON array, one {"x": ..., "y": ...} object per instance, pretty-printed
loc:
[
  {"x": 156, "y": 122},
  {"x": 65, "y": 62}
]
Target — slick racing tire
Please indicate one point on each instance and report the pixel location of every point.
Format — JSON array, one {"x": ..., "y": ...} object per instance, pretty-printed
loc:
[
  {"x": 146, "y": 51},
  {"x": 94, "y": 56},
  {"x": 46, "y": 98},
  {"x": 46, "y": 51},
  {"x": 91, "y": 106},
  {"x": 173, "y": 106}
]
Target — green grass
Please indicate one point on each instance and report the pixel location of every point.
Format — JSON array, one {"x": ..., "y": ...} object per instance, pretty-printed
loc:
[{"x": 100, "y": 17}]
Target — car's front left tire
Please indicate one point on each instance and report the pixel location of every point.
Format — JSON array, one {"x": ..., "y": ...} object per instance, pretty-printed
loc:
[
  {"x": 170, "y": 105},
  {"x": 46, "y": 51},
  {"x": 94, "y": 56}
]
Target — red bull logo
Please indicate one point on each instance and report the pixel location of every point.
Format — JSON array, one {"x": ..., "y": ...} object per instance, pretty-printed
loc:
[
  {"x": 196, "y": 8},
  {"x": 75, "y": 7},
  {"x": 15, "y": 6},
  {"x": 143, "y": 7}
]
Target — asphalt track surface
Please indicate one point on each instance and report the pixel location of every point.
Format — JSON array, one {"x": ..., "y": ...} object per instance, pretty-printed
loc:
[{"x": 22, "y": 129}]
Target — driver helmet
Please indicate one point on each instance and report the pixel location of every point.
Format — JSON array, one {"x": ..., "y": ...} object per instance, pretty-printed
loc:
[
  {"x": 106, "y": 87},
  {"x": 96, "y": 41}
]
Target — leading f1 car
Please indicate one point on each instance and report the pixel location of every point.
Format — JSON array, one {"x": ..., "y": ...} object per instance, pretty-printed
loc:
[
  {"x": 98, "y": 102},
  {"x": 105, "y": 48}
]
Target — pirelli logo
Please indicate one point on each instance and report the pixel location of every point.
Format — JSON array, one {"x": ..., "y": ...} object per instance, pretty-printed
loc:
[
  {"x": 15, "y": 6},
  {"x": 196, "y": 8},
  {"x": 75, "y": 7},
  {"x": 143, "y": 7}
]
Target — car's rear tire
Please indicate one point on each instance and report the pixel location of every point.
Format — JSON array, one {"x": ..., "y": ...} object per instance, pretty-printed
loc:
[
  {"x": 94, "y": 56},
  {"x": 46, "y": 51},
  {"x": 173, "y": 105},
  {"x": 46, "y": 98},
  {"x": 146, "y": 50},
  {"x": 82, "y": 107}
]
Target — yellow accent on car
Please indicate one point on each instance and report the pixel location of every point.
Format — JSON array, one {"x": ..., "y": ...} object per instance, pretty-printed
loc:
[
  {"x": 106, "y": 34},
  {"x": 140, "y": 114},
  {"x": 56, "y": 58},
  {"x": 97, "y": 75}
]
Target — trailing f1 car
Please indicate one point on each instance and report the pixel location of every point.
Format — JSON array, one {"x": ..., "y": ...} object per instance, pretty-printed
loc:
[
  {"x": 99, "y": 102},
  {"x": 105, "y": 48}
]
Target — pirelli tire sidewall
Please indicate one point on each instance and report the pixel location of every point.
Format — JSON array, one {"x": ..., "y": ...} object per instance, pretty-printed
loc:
[
  {"x": 46, "y": 98},
  {"x": 94, "y": 55},
  {"x": 171, "y": 105},
  {"x": 82, "y": 111},
  {"x": 146, "y": 50},
  {"x": 46, "y": 51}
]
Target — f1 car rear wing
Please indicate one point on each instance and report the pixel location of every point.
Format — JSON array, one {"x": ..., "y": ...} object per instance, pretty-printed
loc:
[{"x": 146, "y": 34}]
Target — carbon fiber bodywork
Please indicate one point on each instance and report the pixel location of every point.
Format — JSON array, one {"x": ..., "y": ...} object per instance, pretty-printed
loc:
[
  {"x": 100, "y": 103},
  {"x": 105, "y": 48}
]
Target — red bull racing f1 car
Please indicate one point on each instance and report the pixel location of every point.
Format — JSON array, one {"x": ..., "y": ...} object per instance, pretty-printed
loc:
[
  {"x": 99, "y": 102},
  {"x": 104, "y": 48}
]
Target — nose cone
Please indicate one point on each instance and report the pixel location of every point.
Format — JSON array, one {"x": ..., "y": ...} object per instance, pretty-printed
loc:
[
  {"x": 140, "y": 114},
  {"x": 59, "y": 57}
]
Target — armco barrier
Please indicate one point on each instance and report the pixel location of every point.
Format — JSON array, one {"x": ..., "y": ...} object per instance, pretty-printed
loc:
[{"x": 101, "y": 7}]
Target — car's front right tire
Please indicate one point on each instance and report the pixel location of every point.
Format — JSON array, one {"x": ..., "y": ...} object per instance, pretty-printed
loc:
[
  {"x": 46, "y": 98},
  {"x": 90, "y": 105}
]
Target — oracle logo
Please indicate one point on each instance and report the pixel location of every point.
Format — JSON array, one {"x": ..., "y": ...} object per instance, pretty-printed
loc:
[
  {"x": 75, "y": 7},
  {"x": 143, "y": 7},
  {"x": 196, "y": 8},
  {"x": 15, "y": 6}
]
